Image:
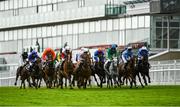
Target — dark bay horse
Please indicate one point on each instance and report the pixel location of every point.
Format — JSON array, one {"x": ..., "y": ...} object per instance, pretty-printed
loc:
[
  {"x": 127, "y": 73},
  {"x": 67, "y": 71},
  {"x": 37, "y": 73},
  {"x": 143, "y": 68},
  {"x": 99, "y": 70}
]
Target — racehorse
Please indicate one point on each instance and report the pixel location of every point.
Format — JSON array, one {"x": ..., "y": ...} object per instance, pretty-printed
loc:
[
  {"x": 37, "y": 73},
  {"x": 84, "y": 72},
  {"x": 99, "y": 70},
  {"x": 23, "y": 72},
  {"x": 127, "y": 73},
  {"x": 25, "y": 75},
  {"x": 67, "y": 71},
  {"x": 49, "y": 71},
  {"x": 112, "y": 73},
  {"x": 143, "y": 68}
]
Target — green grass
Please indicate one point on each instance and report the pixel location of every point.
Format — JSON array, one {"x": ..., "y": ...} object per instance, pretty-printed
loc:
[{"x": 149, "y": 96}]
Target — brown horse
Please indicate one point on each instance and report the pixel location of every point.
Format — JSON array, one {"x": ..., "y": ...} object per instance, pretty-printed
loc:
[
  {"x": 23, "y": 75},
  {"x": 84, "y": 72},
  {"x": 49, "y": 70},
  {"x": 67, "y": 71},
  {"x": 127, "y": 73}
]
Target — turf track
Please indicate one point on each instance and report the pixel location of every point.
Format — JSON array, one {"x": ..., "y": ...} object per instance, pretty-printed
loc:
[{"x": 149, "y": 96}]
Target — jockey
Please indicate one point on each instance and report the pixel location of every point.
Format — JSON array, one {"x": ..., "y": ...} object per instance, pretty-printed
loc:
[
  {"x": 111, "y": 52},
  {"x": 64, "y": 54},
  {"x": 126, "y": 55},
  {"x": 142, "y": 52},
  {"x": 99, "y": 54},
  {"x": 24, "y": 56},
  {"x": 58, "y": 55},
  {"x": 49, "y": 55},
  {"x": 32, "y": 58},
  {"x": 80, "y": 58}
]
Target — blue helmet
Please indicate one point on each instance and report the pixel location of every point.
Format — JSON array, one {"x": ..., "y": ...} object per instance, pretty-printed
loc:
[
  {"x": 33, "y": 52},
  {"x": 113, "y": 46}
]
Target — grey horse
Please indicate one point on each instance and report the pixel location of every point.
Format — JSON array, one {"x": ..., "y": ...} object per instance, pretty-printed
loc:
[{"x": 112, "y": 73}]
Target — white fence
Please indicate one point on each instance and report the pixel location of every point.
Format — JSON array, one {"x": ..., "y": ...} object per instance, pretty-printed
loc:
[
  {"x": 161, "y": 73},
  {"x": 165, "y": 72}
]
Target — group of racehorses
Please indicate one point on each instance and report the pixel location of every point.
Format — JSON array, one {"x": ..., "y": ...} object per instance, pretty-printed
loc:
[{"x": 114, "y": 75}]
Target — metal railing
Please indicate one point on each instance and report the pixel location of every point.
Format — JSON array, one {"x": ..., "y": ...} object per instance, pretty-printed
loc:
[
  {"x": 161, "y": 73},
  {"x": 165, "y": 72}
]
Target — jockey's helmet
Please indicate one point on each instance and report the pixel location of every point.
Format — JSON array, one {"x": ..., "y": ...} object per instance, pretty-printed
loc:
[
  {"x": 84, "y": 49},
  {"x": 33, "y": 52},
  {"x": 144, "y": 48},
  {"x": 113, "y": 46},
  {"x": 48, "y": 49},
  {"x": 67, "y": 48},
  {"x": 129, "y": 48},
  {"x": 99, "y": 49}
]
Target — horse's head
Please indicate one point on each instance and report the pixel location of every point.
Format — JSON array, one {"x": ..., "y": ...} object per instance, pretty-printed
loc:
[
  {"x": 69, "y": 56},
  {"x": 115, "y": 61},
  {"x": 145, "y": 59},
  {"x": 131, "y": 62},
  {"x": 49, "y": 57}
]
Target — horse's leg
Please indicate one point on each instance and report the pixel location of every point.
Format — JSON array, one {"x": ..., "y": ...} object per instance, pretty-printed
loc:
[
  {"x": 96, "y": 80},
  {"x": 21, "y": 84},
  {"x": 34, "y": 82},
  {"x": 28, "y": 80},
  {"x": 144, "y": 78},
  {"x": 17, "y": 75},
  {"x": 108, "y": 82},
  {"x": 89, "y": 82},
  {"x": 140, "y": 79},
  {"x": 50, "y": 82},
  {"x": 23, "y": 81},
  {"x": 61, "y": 81},
  {"x": 70, "y": 82},
  {"x": 111, "y": 80},
  {"x": 85, "y": 83},
  {"x": 149, "y": 80},
  {"x": 120, "y": 81},
  {"x": 73, "y": 81},
  {"x": 40, "y": 80},
  {"x": 134, "y": 81},
  {"x": 101, "y": 81},
  {"x": 131, "y": 83},
  {"x": 65, "y": 83}
]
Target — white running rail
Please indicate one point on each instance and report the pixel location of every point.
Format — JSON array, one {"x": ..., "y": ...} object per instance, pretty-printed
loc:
[{"x": 161, "y": 73}]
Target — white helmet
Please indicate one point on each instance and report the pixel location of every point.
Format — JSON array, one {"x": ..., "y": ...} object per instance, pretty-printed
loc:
[
  {"x": 84, "y": 49},
  {"x": 67, "y": 48},
  {"x": 144, "y": 48},
  {"x": 129, "y": 47}
]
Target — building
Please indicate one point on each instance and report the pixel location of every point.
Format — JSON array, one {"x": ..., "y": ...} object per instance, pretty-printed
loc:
[{"x": 87, "y": 23}]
